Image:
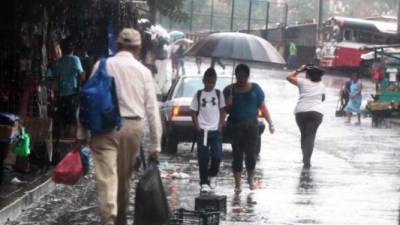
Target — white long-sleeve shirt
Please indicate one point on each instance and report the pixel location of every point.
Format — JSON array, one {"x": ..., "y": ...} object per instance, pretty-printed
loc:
[{"x": 136, "y": 93}]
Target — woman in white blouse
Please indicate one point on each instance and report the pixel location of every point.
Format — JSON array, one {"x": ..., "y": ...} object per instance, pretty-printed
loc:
[{"x": 308, "y": 111}]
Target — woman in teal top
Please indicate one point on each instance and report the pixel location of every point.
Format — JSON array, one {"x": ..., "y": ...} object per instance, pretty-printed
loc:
[{"x": 243, "y": 100}]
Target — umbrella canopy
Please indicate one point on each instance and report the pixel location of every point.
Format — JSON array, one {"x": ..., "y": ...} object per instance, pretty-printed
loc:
[
  {"x": 183, "y": 41},
  {"x": 176, "y": 35},
  {"x": 157, "y": 31},
  {"x": 236, "y": 46}
]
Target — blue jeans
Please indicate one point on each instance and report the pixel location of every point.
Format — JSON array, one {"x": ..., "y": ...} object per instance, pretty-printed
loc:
[{"x": 213, "y": 150}]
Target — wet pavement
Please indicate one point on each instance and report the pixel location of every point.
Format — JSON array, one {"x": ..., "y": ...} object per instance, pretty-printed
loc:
[{"x": 354, "y": 178}]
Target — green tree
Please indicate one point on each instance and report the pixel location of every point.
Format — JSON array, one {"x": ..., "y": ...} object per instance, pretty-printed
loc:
[{"x": 173, "y": 9}]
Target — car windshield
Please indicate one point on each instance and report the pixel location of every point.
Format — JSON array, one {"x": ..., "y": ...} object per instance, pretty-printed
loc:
[{"x": 189, "y": 85}]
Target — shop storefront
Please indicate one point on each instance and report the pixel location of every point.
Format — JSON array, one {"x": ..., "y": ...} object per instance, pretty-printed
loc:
[{"x": 30, "y": 35}]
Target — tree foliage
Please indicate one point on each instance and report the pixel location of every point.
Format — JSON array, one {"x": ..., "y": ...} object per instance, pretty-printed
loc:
[{"x": 173, "y": 9}]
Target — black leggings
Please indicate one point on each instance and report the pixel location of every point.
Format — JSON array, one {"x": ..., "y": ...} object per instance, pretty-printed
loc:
[
  {"x": 244, "y": 144},
  {"x": 308, "y": 123}
]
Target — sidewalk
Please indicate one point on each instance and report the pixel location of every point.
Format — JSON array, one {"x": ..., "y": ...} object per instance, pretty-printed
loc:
[
  {"x": 17, "y": 196},
  {"x": 14, "y": 198}
]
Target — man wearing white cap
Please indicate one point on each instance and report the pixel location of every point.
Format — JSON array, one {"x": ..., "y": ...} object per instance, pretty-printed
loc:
[{"x": 114, "y": 154}]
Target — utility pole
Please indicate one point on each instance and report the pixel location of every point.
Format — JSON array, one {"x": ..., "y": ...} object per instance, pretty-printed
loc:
[
  {"x": 232, "y": 14},
  {"x": 285, "y": 14},
  {"x": 319, "y": 22},
  {"x": 249, "y": 16},
  {"x": 267, "y": 20},
  {"x": 212, "y": 15},
  {"x": 191, "y": 16}
]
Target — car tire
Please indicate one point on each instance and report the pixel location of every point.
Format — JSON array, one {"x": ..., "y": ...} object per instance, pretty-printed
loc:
[{"x": 169, "y": 144}]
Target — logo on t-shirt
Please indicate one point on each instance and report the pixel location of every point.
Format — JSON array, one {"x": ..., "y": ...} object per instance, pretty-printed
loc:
[{"x": 204, "y": 101}]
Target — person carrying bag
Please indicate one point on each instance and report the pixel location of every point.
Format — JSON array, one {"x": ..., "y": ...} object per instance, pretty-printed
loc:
[{"x": 114, "y": 147}]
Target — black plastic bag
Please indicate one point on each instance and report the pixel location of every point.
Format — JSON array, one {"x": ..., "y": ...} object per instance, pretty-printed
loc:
[{"x": 151, "y": 205}]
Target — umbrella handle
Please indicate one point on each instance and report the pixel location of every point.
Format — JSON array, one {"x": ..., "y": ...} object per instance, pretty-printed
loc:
[{"x": 233, "y": 74}]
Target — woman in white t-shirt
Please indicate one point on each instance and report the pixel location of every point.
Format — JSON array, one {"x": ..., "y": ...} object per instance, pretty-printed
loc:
[{"x": 308, "y": 110}]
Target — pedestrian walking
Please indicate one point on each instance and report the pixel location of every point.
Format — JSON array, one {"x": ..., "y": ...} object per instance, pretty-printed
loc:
[
  {"x": 163, "y": 78},
  {"x": 180, "y": 60},
  {"x": 345, "y": 95},
  {"x": 355, "y": 99},
  {"x": 317, "y": 55},
  {"x": 308, "y": 111},
  {"x": 114, "y": 153},
  {"x": 243, "y": 100},
  {"x": 68, "y": 72},
  {"x": 377, "y": 74},
  {"x": 199, "y": 61},
  {"x": 218, "y": 61},
  {"x": 208, "y": 116},
  {"x": 174, "y": 63},
  {"x": 292, "y": 59}
]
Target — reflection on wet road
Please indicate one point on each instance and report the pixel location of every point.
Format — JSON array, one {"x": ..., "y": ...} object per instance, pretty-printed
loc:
[{"x": 354, "y": 178}]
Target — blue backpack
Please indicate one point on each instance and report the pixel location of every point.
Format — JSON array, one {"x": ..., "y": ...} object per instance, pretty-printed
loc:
[{"x": 99, "y": 109}]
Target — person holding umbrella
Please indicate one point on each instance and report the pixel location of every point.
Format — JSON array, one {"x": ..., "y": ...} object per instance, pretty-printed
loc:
[
  {"x": 308, "y": 111},
  {"x": 244, "y": 99}
]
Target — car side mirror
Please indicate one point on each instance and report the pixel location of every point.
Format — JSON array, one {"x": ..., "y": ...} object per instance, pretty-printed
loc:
[{"x": 162, "y": 97}]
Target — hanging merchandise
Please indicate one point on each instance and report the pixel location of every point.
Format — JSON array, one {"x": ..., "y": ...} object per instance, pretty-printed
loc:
[
  {"x": 111, "y": 39},
  {"x": 21, "y": 148}
]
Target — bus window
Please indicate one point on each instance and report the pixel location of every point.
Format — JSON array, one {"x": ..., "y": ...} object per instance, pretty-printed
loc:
[
  {"x": 368, "y": 37},
  {"x": 347, "y": 35},
  {"x": 350, "y": 35}
]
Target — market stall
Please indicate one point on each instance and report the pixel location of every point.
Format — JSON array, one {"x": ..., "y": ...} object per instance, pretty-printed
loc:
[
  {"x": 30, "y": 35},
  {"x": 386, "y": 102}
]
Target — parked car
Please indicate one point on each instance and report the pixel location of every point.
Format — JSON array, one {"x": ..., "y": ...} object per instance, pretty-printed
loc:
[{"x": 176, "y": 113}]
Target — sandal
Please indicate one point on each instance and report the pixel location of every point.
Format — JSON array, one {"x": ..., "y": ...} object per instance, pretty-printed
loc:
[
  {"x": 238, "y": 190},
  {"x": 252, "y": 186}
]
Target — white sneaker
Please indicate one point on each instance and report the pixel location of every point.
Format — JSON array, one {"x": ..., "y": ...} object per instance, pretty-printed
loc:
[
  {"x": 205, "y": 188},
  {"x": 213, "y": 182}
]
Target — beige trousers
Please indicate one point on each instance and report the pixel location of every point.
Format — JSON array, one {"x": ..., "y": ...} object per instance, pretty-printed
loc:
[{"x": 114, "y": 156}]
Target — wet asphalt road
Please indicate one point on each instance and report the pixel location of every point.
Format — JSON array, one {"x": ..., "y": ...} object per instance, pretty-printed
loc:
[{"x": 354, "y": 178}]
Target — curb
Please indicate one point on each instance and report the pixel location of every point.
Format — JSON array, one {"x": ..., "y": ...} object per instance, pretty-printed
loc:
[
  {"x": 13, "y": 210},
  {"x": 395, "y": 122}
]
